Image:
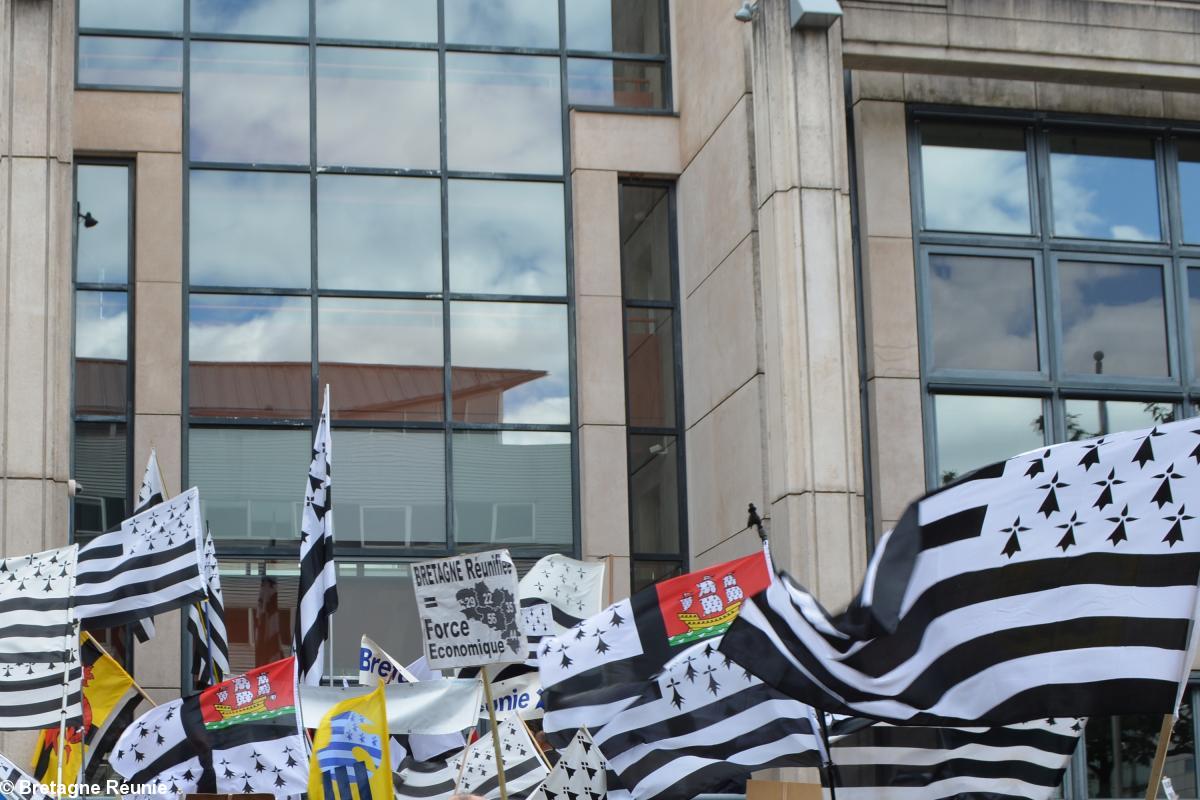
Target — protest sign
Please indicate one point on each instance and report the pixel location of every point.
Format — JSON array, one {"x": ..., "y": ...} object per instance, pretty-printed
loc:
[{"x": 469, "y": 610}]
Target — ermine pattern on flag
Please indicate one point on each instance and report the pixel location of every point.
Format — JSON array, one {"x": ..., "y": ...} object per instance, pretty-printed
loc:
[
  {"x": 210, "y": 647},
  {"x": 523, "y": 765},
  {"x": 150, "y": 493},
  {"x": 23, "y": 786},
  {"x": 318, "y": 574},
  {"x": 580, "y": 774},
  {"x": 1059, "y": 582},
  {"x": 152, "y": 564}
]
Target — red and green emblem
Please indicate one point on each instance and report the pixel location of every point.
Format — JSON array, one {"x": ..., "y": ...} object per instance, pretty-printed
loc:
[
  {"x": 701, "y": 604},
  {"x": 262, "y": 693}
]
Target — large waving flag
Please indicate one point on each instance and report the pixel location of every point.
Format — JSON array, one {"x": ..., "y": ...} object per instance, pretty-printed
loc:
[
  {"x": 350, "y": 752},
  {"x": 150, "y": 494},
  {"x": 318, "y": 573},
  {"x": 206, "y": 624},
  {"x": 1061, "y": 582}
]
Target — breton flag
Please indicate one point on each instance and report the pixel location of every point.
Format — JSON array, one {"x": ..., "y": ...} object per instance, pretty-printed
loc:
[
  {"x": 152, "y": 564},
  {"x": 242, "y": 736},
  {"x": 318, "y": 573},
  {"x": 206, "y": 623},
  {"x": 523, "y": 765},
  {"x": 703, "y": 725},
  {"x": 1061, "y": 582},
  {"x": 424, "y": 780},
  {"x": 150, "y": 493},
  {"x": 39, "y": 652},
  {"x": 598, "y": 667},
  {"x": 350, "y": 751},
  {"x": 580, "y": 774},
  {"x": 22, "y": 786},
  {"x": 913, "y": 763}
]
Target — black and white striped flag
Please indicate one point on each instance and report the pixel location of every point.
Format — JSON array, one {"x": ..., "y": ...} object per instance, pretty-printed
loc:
[
  {"x": 206, "y": 624},
  {"x": 523, "y": 765},
  {"x": 318, "y": 573},
  {"x": 19, "y": 784},
  {"x": 1025, "y": 760},
  {"x": 424, "y": 780},
  {"x": 581, "y": 773},
  {"x": 151, "y": 565},
  {"x": 1062, "y": 582},
  {"x": 150, "y": 493},
  {"x": 39, "y": 648}
]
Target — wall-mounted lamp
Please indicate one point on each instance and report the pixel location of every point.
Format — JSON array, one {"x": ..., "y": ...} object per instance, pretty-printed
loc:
[
  {"x": 88, "y": 220},
  {"x": 747, "y": 12}
]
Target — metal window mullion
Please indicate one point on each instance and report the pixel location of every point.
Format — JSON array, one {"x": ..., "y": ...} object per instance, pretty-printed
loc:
[
  {"x": 449, "y": 533},
  {"x": 315, "y": 394},
  {"x": 1054, "y": 413},
  {"x": 185, "y": 644},
  {"x": 682, "y": 542}
]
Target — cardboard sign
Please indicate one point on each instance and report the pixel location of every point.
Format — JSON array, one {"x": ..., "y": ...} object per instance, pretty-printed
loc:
[{"x": 469, "y": 610}]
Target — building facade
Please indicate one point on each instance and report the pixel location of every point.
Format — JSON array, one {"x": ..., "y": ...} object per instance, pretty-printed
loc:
[{"x": 583, "y": 276}]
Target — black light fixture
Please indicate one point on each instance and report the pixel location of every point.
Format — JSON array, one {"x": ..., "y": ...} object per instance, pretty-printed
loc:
[{"x": 88, "y": 220}]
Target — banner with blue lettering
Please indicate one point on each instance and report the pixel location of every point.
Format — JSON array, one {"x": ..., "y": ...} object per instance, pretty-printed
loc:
[{"x": 520, "y": 695}]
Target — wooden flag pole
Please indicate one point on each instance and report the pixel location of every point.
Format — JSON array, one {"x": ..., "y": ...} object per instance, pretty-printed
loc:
[
  {"x": 140, "y": 690},
  {"x": 1160, "y": 756},
  {"x": 533, "y": 739},
  {"x": 487, "y": 693}
]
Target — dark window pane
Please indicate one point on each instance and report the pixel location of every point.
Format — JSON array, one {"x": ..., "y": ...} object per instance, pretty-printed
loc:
[
  {"x": 654, "y": 494},
  {"x": 1113, "y": 319},
  {"x": 1090, "y": 418},
  {"x": 102, "y": 251},
  {"x": 615, "y": 84},
  {"x": 379, "y": 233},
  {"x": 251, "y": 481},
  {"x": 982, "y": 312},
  {"x": 249, "y": 103},
  {"x": 394, "y": 20},
  {"x": 101, "y": 467},
  {"x": 510, "y": 362},
  {"x": 512, "y": 488},
  {"x": 391, "y": 487},
  {"x": 377, "y": 108},
  {"x": 974, "y": 431},
  {"x": 507, "y": 238},
  {"x": 265, "y": 17},
  {"x": 377, "y": 600},
  {"x": 645, "y": 243},
  {"x": 1121, "y": 749},
  {"x": 382, "y": 358},
  {"x": 249, "y": 229},
  {"x": 516, "y": 100},
  {"x": 974, "y": 178},
  {"x": 1189, "y": 188},
  {"x": 1104, "y": 187},
  {"x": 650, "y": 367},
  {"x": 137, "y": 15},
  {"x": 624, "y": 26},
  {"x": 120, "y": 61},
  {"x": 514, "y": 23},
  {"x": 260, "y": 607},
  {"x": 101, "y": 352},
  {"x": 249, "y": 356},
  {"x": 648, "y": 573}
]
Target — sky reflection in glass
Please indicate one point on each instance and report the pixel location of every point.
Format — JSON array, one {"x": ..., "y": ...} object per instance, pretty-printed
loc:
[
  {"x": 102, "y": 251},
  {"x": 974, "y": 178},
  {"x": 509, "y": 23},
  {"x": 982, "y": 311},
  {"x": 1104, "y": 187},
  {"x": 1116, "y": 310},
  {"x": 976, "y": 430}
]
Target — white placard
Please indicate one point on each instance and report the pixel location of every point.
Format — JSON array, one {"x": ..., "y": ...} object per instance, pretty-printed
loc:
[{"x": 469, "y": 610}]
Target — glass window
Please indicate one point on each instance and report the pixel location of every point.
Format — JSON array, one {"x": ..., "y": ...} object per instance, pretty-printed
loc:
[
  {"x": 377, "y": 108},
  {"x": 510, "y": 363},
  {"x": 976, "y": 430},
  {"x": 261, "y": 17},
  {"x": 1105, "y": 186},
  {"x": 1086, "y": 419},
  {"x": 974, "y": 178},
  {"x": 100, "y": 458},
  {"x": 128, "y": 61},
  {"x": 982, "y": 312},
  {"x": 1193, "y": 287},
  {"x": 511, "y": 23},
  {"x": 1120, "y": 751},
  {"x": 615, "y": 84},
  {"x": 622, "y": 26},
  {"x": 393, "y": 20},
  {"x": 1113, "y": 319},
  {"x": 516, "y": 100},
  {"x": 391, "y": 487},
  {"x": 260, "y": 607},
  {"x": 645, "y": 242},
  {"x": 101, "y": 352},
  {"x": 377, "y": 600},
  {"x": 134, "y": 15},
  {"x": 647, "y": 573},
  {"x": 654, "y": 494},
  {"x": 102, "y": 250},
  {"x": 248, "y": 103},
  {"x": 1189, "y": 188},
  {"x": 507, "y": 238},
  {"x": 249, "y": 355},
  {"x": 249, "y": 229},
  {"x": 512, "y": 488},
  {"x": 379, "y": 233},
  {"x": 382, "y": 358},
  {"x": 251, "y": 481},
  {"x": 650, "y": 366}
]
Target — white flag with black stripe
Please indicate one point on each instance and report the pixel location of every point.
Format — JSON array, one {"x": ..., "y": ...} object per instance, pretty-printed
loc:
[
  {"x": 39, "y": 647},
  {"x": 150, "y": 493},
  {"x": 318, "y": 573},
  {"x": 21, "y": 786},
  {"x": 1062, "y": 582},
  {"x": 206, "y": 624},
  {"x": 523, "y": 765},
  {"x": 424, "y": 780},
  {"x": 151, "y": 565},
  {"x": 886, "y": 762}
]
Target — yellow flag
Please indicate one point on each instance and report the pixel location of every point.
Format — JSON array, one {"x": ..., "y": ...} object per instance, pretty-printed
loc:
[
  {"x": 350, "y": 752},
  {"x": 107, "y": 690}
]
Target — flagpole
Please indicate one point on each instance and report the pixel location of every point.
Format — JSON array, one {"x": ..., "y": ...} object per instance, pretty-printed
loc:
[
  {"x": 830, "y": 773},
  {"x": 202, "y": 611},
  {"x": 533, "y": 739},
  {"x": 62, "y": 711},
  {"x": 487, "y": 691},
  {"x": 1168, "y": 723}
]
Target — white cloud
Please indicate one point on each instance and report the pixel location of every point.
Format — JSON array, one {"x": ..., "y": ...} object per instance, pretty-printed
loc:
[{"x": 971, "y": 189}]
